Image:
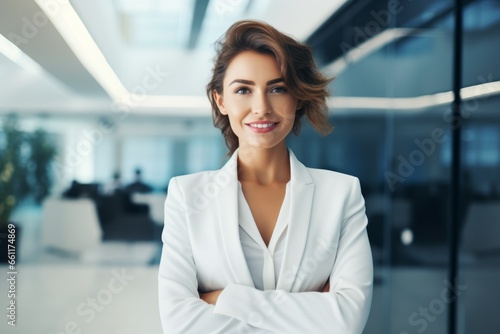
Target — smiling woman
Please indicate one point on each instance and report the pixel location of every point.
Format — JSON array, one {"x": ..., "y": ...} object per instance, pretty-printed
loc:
[{"x": 265, "y": 244}]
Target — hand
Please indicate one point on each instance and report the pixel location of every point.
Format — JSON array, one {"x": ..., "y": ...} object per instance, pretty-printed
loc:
[{"x": 210, "y": 297}]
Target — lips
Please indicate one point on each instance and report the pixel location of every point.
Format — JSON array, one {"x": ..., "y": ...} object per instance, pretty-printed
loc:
[{"x": 262, "y": 126}]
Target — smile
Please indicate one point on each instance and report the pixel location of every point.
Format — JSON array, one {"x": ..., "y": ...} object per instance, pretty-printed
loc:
[{"x": 262, "y": 125}]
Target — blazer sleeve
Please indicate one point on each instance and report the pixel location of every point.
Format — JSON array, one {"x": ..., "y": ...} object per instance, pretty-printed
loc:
[
  {"x": 181, "y": 309},
  {"x": 344, "y": 309}
]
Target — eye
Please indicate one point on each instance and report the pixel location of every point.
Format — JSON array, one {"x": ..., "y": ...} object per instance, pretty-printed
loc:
[
  {"x": 242, "y": 90},
  {"x": 279, "y": 89}
]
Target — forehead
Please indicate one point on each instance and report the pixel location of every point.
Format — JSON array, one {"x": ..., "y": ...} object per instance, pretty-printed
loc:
[{"x": 253, "y": 65}]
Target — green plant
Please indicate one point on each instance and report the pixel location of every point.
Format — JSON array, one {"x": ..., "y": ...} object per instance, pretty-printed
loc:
[
  {"x": 24, "y": 166},
  {"x": 42, "y": 153}
]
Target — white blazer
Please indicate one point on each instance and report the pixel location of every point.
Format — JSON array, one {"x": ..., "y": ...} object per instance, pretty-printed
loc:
[{"x": 326, "y": 239}]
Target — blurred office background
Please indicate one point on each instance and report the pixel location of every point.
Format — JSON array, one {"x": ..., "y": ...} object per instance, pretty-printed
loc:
[{"x": 106, "y": 102}]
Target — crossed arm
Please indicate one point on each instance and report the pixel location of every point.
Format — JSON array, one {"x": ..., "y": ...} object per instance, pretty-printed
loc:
[{"x": 211, "y": 297}]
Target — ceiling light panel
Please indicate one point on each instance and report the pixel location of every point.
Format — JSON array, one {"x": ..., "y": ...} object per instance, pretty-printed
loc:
[{"x": 155, "y": 23}]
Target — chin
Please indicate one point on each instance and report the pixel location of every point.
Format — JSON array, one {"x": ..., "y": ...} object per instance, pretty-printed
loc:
[{"x": 263, "y": 146}]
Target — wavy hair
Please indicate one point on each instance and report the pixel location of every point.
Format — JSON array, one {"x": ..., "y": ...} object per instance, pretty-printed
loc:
[{"x": 303, "y": 79}]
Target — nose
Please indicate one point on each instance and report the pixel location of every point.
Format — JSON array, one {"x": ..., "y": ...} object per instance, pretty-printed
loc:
[{"x": 261, "y": 105}]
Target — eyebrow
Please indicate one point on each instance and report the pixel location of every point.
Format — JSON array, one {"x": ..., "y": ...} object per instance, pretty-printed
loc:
[{"x": 249, "y": 82}]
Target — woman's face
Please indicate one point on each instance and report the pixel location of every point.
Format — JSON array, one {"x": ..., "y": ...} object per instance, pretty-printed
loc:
[{"x": 254, "y": 92}]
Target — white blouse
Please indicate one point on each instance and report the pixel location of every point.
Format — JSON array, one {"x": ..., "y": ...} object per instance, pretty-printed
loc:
[{"x": 264, "y": 262}]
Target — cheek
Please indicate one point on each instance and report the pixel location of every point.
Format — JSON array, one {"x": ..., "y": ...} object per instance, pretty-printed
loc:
[
  {"x": 236, "y": 113},
  {"x": 289, "y": 117},
  {"x": 286, "y": 108},
  {"x": 236, "y": 105}
]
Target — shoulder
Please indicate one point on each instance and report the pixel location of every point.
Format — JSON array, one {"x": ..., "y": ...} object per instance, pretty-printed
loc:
[
  {"x": 337, "y": 188},
  {"x": 327, "y": 178},
  {"x": 330, "y": 184},
  {"x": 194, "y": 179},
  {"x": 320, "y": 177},
  {"x": 195, "y": 191}
]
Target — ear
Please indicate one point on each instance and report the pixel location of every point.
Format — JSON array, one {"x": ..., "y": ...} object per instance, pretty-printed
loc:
[
  {"x": 220, "y": 102},
  {"x": 299, "y": 104}
]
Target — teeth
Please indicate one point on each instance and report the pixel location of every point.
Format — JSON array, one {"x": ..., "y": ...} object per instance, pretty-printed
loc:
[{"x": 261, "y": 126}]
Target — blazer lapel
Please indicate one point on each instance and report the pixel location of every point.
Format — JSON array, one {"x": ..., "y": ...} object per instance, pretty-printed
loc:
[
  {"x": 302, "y": 192},
  {"x": 227, "y": 205}
]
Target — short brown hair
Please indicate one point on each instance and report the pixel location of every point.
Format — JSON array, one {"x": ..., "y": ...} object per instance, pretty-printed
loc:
[{"x": 303, "y": 79}]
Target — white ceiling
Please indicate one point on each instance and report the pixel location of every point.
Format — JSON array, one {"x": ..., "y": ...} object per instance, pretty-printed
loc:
[{"x": 64, "y": 84}]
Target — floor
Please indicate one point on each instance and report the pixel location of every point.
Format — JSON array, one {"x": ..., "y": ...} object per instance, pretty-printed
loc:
[
  {"x": 62, "y": 298},
  {"x": 111, "y": 289}
]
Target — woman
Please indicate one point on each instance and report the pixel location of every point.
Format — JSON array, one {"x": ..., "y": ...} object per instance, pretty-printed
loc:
[{"x": 265, "y": 244}]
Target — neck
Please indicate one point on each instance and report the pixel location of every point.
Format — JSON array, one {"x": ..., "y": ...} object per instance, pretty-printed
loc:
[{"x": 264, "y": 166}]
